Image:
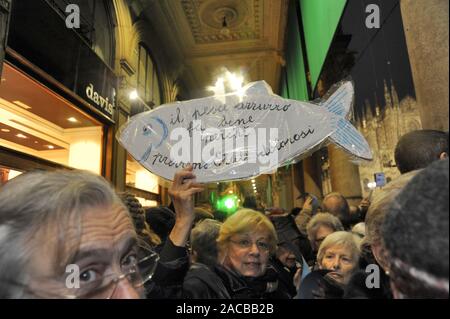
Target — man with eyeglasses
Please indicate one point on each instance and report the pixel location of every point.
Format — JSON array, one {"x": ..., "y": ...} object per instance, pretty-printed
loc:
[{"x": 66, "y": 234}]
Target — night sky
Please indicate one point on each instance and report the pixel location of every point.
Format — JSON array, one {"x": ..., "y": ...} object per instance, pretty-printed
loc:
[{"x": 380, "y": 55}]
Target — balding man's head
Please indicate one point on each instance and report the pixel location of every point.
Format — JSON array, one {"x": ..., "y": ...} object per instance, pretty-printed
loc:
[{"x": 337, "y": 205}]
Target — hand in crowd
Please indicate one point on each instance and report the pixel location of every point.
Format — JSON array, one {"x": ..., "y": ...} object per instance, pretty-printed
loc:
[
  {"x": 298, "y": 277},
  {"x": 183, "y": 187},
  {"x": 308, "y": 203},
  {"x": 364, "y": 205}
]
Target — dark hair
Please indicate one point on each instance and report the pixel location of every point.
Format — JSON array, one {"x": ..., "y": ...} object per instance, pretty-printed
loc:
[
  {"x": 161, "y": 219},
  {"x": 295, "y": 211},
  {"x": 137, "y": 212},
  {"x": 250, "y": 202},
  {"x": 415, "y": 234},
  {"x": 418, "y": 149}
]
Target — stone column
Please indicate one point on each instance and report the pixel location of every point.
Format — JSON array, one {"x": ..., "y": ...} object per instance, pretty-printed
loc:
[
  {"x": 426, "y": 29},
  {"x": 344, "y": 175}
]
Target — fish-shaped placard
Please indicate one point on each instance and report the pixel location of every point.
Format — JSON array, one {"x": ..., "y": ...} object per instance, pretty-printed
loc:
[{"x": 240, "y": 135}]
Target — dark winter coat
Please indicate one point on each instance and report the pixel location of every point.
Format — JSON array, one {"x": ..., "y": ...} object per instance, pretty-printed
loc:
[{"x": 222, "y": 283}]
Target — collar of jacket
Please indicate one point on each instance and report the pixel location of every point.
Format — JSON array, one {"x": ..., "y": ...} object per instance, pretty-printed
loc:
[{"x": 237, "y": 283}]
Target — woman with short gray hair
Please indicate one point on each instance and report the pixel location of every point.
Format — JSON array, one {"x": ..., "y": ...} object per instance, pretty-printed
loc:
[
  {"x": 337, "y": 261},
  {"x": 339, "y": 252},
  {"x": 320, "y": 226},
  {"x": 203, "y": 242}
]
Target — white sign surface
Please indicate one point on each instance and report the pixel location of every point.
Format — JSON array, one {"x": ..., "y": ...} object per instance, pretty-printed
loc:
[{"x": 239, "y": 135}]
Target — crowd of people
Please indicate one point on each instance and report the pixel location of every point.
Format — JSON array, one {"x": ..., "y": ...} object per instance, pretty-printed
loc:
[{"x": 68, "y": 234}]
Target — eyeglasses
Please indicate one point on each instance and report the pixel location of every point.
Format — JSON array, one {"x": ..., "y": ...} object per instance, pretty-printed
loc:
[
  {"x": 137, "y": 272},
  {"x": 247, "y": 244},
  {"x": 90, "y": 285}
]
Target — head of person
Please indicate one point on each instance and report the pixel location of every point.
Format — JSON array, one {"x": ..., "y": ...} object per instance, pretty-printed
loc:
[
  {"x": 250, "y": 203},
  {"x": 377, "y": 212},
  {"x": 418, "y": 149},
  {"x": 336, "y": 204},
  {"x": 66, "y": 234},
  {"x": 161, "y": 220},
  {"x": 286, "y": 256},
  {"x": 295, "y": 211},
  {"x": 137, "y": 213},
  {"x": 359, "y": 230},
  {"x": 353, "y": 210},
  {"x": 288, "y": 249},
  {"x": 203, "y": 241},
  {"x": 416, "y": 237},
  {"x": 202, "y": 213},
  {"x": 339, "y": 253},
  {"x": 320, "y": 226},
  {"x": 246, "y": 241}
]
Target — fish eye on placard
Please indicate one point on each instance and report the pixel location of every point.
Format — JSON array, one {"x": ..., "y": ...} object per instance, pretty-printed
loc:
[{"x": 147, "y": 129}]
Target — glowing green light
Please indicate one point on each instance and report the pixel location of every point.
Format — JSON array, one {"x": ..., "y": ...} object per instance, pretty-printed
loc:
[{"x": 227, "y": 204}]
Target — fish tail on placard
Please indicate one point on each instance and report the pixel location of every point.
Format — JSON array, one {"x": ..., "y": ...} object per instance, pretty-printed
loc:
[{"x": 346, "y": 135}]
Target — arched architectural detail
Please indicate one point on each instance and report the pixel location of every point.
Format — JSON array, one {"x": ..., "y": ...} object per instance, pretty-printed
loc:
[
  {"x": 168, "y": 76},
  {"x": 124, "y": 32}
]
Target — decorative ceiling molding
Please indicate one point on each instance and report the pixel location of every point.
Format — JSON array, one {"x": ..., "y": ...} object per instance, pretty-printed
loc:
[
  {"x": 254, "y": 41},
  {"x": 242, "y": 17}
]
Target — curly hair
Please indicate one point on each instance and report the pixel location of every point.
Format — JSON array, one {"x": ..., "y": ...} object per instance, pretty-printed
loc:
[{"x": 137, "y": 213}]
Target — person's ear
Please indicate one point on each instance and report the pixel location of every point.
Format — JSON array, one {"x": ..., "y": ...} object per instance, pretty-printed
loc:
[
  {"x": 379, "y": 253},
  {"x": 443, "y": 156}
]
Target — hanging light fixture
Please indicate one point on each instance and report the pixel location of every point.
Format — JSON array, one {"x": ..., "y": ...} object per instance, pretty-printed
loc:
[{"x": 225, "y": 30}]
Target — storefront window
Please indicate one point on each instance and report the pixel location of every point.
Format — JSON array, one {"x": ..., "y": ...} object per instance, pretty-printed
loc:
[
  {"x": 148, "y": 82},
  {"x": 36, "y": 121},
  {"x": 139, "y": 178},
  {"x": 7, "y": 174}
]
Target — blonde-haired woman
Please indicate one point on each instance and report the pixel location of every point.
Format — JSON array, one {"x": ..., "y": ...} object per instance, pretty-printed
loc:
[{"x": 246, "y": 241}]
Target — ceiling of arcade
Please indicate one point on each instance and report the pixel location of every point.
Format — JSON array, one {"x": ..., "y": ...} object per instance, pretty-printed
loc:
[{"x": 210, "y": 35}]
